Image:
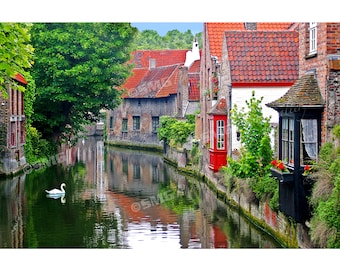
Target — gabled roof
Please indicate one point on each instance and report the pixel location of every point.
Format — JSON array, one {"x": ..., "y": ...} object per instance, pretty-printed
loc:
[
  {"x": 160, "y": 80},
  {"x": 220, "y": 108},
  {"x": 18, "y": 77},
  {"x": 151, "y": 83},
  {"x": 304, "y": 93},
  {"x": 263, "y": 57},
  {"x": 215, "y": 32}
]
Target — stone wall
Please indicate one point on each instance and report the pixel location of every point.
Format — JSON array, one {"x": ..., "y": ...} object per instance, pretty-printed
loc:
[
  {"x": 278, "y": 225},
  {"x": 145, "y": 108}
]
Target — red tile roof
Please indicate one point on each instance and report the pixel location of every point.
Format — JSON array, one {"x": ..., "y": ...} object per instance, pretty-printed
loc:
[
  {"x": 194, "y": 91},
  {"x": 263, "y": 57},
  {"x": 194, "y": 80},
  {"x": 142, "y": 58},
  {"x": 170, "y": 84},
  {"x": 18, "y": 77},
  {"x": 219, "y": 108},
  {"x": 151, "y": 83},
  {"x": 215, "y": 32},
  {"x": 162, "y": 80}
]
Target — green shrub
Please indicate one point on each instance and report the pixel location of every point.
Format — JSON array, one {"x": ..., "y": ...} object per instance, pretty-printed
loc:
[
  {"x": 253, "y": 165},
  {"x": 325, "y": 197}
]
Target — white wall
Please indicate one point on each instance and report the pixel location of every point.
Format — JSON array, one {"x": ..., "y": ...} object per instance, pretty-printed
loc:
[{"x": 242, "y": 94}]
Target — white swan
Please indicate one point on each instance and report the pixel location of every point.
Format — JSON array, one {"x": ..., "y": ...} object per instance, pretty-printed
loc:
[{"x": 57, "y": 191}]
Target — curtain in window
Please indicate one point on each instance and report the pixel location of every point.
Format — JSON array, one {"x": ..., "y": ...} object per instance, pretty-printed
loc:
[{"x": 309, "y": 133}]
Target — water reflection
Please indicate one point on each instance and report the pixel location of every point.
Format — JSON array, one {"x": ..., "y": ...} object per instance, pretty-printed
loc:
[{"x": 118, "y": 199}]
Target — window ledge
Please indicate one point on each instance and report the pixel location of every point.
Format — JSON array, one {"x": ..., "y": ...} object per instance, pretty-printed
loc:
[{"x": 311, "y": 55}]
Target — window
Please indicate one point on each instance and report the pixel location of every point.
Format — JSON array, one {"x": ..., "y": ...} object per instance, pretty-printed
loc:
[
  {"x": 136, "y": 171},
  {"x": 136, "y": 122},
  {"x": 309, "y": 139},
  {"x": 124, "y": 125},
  {"x": 220, "y": 135},
  {"x": 155, "y": 124},
  {"x": 111, "y": 122},
  {"x": 288, "y": 140},
  {"x": 125, "y": 166},
  {"x": 22, "y": 132},
  {"x": 13, "y": 124},
  {"x": 312, "y": 38}
]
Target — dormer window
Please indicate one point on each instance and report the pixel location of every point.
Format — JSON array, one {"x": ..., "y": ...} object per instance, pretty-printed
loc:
[{"x": 312, "y": 38}]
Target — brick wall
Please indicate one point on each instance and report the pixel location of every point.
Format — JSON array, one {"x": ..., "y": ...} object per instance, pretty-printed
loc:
[{"x": 328, "y": 41}]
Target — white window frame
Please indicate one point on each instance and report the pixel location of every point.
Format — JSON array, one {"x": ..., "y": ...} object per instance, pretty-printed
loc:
[
  {"x": 313, "y": 38},
  {"x": 220, "y": 135}
]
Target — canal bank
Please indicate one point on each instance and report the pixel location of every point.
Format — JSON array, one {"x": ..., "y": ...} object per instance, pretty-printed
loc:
[{"x": 282, "y": 228}]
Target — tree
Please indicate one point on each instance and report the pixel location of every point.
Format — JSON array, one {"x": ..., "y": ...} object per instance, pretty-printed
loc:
[
  {"x": 254, "y": 129},
  {"x": 174, "y": 39},
  {"x": 16, "y": 53},
  {"x": 78, "y": 70}
]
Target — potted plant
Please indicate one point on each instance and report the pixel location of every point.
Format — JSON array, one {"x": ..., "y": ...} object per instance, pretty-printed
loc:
[{"x": 281, "y": 172}]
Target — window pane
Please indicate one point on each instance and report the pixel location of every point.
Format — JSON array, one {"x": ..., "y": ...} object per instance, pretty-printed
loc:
[
  {"x": 155, "y": 124},
  {"x": 124, "y": 125},
  {"x": 309, "y": 139},
  {"x": 312, "y": 37},
  {"x": 136, "y": 123},
  {"x": 220, "y": 134}
]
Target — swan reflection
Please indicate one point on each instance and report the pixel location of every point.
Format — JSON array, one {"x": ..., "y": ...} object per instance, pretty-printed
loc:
[{"x": 57, "y": 196}]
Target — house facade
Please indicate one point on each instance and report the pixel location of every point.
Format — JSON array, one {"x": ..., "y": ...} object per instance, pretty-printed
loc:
[
  {"x": 163, "y": 82},
  {"x": 12, "y": 131},
  {"x": 237, "y": 59},
  {"x": 308, "y": 112}
]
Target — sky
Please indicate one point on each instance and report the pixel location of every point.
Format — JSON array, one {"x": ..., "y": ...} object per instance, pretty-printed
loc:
[{"x": 163, "y": 27}]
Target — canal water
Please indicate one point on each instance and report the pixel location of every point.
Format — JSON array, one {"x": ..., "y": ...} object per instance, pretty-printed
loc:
[{"x": 118, "y": 199}]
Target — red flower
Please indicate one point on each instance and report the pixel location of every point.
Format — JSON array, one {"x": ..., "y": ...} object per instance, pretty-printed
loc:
[
  {"x": 307, "y": 168},
  {"x": 278, "y": 164},
  {"x": 281, "y": 166}
]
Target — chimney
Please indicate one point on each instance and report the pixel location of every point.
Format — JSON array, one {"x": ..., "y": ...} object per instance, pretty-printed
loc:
[
  {"x": 193, "y": 55},
  {"x": 152, "y": 63},
  {"x": 250, "y": 26}
]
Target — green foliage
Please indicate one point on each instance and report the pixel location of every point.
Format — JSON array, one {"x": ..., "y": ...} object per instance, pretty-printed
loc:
[
  {"x": 195, "y": 154},
  {"x": 325, "y": 198},
  {"x": 78, "y": 70},
  {"x": 251, "y": 124},
  {"x": 256, "y": 154},
  {"x": 254, "y": 129},
  {"x": 36, "y": 148},
  {"x": 175, "y": 131},
  {"x": 174, "y": 39},
  {"x": 16, "y": 53}
]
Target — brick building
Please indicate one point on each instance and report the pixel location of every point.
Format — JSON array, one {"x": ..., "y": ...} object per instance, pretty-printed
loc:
[
  {"x": 319, "y": 45},
  {"x": 308, "y": 111},
  {"x": 238, "y": 58},
  {"x": 12, "y": 129},
  {"x": 164, "y": 82}
]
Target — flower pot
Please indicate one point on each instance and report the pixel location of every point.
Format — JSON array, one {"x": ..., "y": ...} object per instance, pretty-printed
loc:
[{"x": 283, "y": 177}]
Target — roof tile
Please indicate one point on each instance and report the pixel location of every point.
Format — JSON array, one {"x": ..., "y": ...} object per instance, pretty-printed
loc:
[
  {"x": 259, "y": 50},
  {"x": 304, "y": 93},
  {"x": 215, "y": 32}
]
